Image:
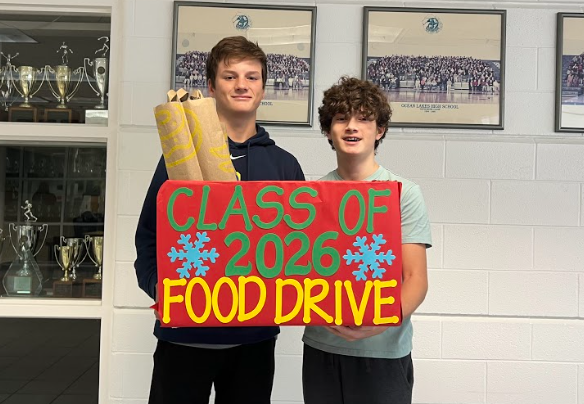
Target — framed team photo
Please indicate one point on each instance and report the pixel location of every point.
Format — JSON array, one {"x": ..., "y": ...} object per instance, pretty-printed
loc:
[
  {"x": 285, "y": 33},
  {"x": 440, "y": 68},
  {"x": 570, "y": 73}
]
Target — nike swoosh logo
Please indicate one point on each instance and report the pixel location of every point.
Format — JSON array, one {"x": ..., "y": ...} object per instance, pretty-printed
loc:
[{"x": 237, "y": 157}]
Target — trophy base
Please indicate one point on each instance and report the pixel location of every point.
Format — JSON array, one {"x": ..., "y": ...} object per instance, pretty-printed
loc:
[
  {"x": 18, "y": 285},
  {"x": 22, "y": 114},
  {"x": 58, "y": 115},
  {"x": 65, "y": 289},
  {"x": 96, "y": 116},
  {"x": 91, "y": 288}
]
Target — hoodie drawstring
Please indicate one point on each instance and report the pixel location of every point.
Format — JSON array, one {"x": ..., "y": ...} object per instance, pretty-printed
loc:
[{"x": 248, "y": 159}]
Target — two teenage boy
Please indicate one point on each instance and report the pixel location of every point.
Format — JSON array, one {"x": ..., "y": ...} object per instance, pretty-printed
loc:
[{"x": 341, "y": 364}]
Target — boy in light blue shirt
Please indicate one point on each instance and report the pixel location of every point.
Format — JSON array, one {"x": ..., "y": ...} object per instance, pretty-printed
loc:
[{"x": 367, "y": 364}]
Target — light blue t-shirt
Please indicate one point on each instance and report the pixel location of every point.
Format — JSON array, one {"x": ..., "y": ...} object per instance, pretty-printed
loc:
[{"x": 395, "y": 342}]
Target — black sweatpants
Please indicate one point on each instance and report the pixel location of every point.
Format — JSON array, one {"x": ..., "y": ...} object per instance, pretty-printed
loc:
[
  {"x": 184, "y": 375},
  {"x": 338, "y": 379}
]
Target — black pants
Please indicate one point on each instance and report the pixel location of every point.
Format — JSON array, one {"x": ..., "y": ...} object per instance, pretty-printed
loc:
[
  {"x": 184, "y": 375},
  {"x": 339, "y": 379}
]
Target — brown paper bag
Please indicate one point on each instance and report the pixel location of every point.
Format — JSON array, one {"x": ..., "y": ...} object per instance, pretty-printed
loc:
[
  {"x": 180, "y": 155},
  {"x": 209, "y": 138}
]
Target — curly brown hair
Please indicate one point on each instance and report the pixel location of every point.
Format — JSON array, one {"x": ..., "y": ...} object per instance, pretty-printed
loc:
[
  {"x": 350, "y": 95},
  {"x": 235, "y": 48}
]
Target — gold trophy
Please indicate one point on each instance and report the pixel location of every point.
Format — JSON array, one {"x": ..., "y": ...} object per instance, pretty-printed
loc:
[
  {"x": 27, "y": 78},
  {"x": 64, "y": 256},
  {"x": 96, "y": 254},
  {"x": 78, "y": 249},
  {"x": 63, "y": 77},
  {"x": 94, "y": 246}
]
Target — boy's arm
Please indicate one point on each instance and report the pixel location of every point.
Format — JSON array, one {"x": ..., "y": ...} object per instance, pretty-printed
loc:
[
  {"x": 413, "y": 292},
  {"x": 145, "y": 264},
  {"x": 415, "y": 277}
]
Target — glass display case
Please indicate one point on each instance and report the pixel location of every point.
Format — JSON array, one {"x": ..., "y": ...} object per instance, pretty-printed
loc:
[
  {"x": 52, "y": 220},
  {"x": 54, "y": 68}
]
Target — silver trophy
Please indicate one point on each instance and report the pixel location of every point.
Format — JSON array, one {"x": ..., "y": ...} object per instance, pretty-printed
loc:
[
  {"x": 94, "y": 245},
  {"x": 64, "y": 257},
  {"x": 64, "y": 79},
  {"x": 25, "y": 81},
  {"x": 78, "y": 253},
  {"x": 6, "y": 80},
  {"x": 2, "y": 240},
  {"x": 100, "y": 72},
  {"x": 24, "y": 277}
]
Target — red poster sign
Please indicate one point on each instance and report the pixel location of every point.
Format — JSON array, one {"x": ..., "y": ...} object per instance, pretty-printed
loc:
[{"x": 279, "y": 253}]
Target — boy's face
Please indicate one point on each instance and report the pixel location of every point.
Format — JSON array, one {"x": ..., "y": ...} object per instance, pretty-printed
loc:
[
  {"x": 238, "y": 87},
  {"x": 354, "y": 134}
]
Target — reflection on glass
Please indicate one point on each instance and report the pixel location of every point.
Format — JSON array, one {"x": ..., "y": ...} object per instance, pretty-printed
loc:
[
  {"x": 11, "y": 196},
  {"x": 44, "y": 162},
  {"x": 89, "y": 163},
  {"x": 85, "y": 201},
  {"x": 46, "y": 197}
]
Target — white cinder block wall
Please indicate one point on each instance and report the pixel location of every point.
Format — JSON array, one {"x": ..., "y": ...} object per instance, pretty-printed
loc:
[{"x": 503, "y": 321}]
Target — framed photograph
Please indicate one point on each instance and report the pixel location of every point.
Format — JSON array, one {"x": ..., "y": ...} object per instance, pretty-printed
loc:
[
  {"x": 286, "y": 35},
  {"x": 439, "y": 67},
  {"x": 570, "y": 73}
]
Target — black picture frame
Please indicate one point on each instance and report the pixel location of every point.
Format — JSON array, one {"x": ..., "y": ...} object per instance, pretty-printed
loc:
[
  {"x": 570, "y": 73},
  {"x": 285, "y": 33},
  {"x": 441, "y": 68}
]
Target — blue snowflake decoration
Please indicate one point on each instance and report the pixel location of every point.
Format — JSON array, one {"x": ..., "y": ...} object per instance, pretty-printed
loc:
[
  {"x": 369, "y": 256},
  {"x": 193, "y": 255}
]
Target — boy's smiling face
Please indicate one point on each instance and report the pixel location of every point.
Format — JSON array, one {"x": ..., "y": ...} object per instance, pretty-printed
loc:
[
  {"x": 354, "y": 134},
  {"x": 238, "y": 87}
]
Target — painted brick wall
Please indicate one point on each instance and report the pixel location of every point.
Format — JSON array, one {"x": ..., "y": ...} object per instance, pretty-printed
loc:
[{"x": 503, "y": 320}]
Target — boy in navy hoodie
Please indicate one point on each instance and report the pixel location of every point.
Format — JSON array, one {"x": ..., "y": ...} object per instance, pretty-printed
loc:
[{"x": 238, "y": 361}]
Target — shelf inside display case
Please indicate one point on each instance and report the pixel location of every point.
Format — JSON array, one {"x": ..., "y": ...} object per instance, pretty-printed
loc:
[
  {"x": 55, "y": 69},
  {"x": 52, "y": 219}
]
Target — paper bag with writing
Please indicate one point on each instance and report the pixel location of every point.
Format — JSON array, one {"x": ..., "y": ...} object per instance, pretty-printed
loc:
[{"x": 209, "y": 138}]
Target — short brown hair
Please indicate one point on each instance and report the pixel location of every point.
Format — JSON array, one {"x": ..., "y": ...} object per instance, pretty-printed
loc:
[
  {"x": 352, "y": 95},
  {"x": 235, "y": 48}
]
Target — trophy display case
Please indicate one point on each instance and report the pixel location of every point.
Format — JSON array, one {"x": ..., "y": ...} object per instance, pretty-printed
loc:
[
  {"x": 55, "y": 69},
  {"x": 52, "y": 220}
]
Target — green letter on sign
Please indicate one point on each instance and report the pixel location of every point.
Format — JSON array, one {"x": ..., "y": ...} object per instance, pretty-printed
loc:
[
  {"x": 266, "y": 205},
  {"x": 231, "y": 210},
  {"x": 342, "y": 213},
  {"x": 170, "y": 210},
  {"x": 375, "y": 209},
  {"x": 297, "y": 205}
]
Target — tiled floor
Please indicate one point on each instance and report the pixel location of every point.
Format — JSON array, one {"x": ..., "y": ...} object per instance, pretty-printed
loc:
[{"x": 49, "y": 361}]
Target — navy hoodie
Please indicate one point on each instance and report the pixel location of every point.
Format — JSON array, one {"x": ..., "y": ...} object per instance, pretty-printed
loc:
[{"x": 257, "y": 159}]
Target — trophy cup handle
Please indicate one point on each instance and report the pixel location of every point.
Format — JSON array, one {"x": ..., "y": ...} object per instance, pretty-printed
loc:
[
  {"x": 44, "y": 227},
  {"x": 56, "y": 249},
  {"x": 41, "y": 70},
  {"x": 13, "y": 68},
  {"x": 87, "y": 244},
  {"x": 84, "y": 255},
  {"x": 87, "y": 62},
  {"x": 81, "y": 72},
  {"x": 12, "y": 226},
  {"x": 49, "y": 69}
]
